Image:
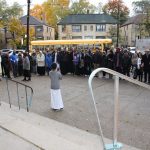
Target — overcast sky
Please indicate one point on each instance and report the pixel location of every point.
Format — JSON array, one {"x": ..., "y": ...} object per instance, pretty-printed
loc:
[{"x": 95, "y": 2}]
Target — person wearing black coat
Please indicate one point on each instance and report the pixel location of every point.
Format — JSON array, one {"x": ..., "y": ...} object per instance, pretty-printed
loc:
[
  {"x": 87, "y": 64},
  {"x": 104, "y": 63},
  {"x": 118, "y": 61},
  {"x": 146, "y": 66},
  {"x": 110, "y": 61},
  {"x": 7, "y": 66},
  {"x": 126, "y": 64}
]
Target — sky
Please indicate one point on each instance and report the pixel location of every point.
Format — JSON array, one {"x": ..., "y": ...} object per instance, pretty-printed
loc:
[{"x": 95, "y": 2}]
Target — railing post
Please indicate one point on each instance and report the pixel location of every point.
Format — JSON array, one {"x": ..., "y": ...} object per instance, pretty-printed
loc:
[
  {"x": 27, "y": 99},
  {"x": 116, "y": 110},
  {"x": 115, "y": 145},
  {"x": 18, "y": 96},
  {"x": 8, "y": 92}
]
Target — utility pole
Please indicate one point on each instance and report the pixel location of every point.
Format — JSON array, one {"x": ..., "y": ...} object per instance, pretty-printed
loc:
[
  {"x": 118, "y": 24},
  {"x": 28, "y": 26}
]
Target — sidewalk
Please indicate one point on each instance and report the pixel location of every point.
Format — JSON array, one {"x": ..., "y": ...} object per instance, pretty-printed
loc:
[{"x": 36, "y": 132}]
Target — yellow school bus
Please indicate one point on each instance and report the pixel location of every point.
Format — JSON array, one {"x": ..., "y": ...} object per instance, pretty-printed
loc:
[{"x": 83, "y": 42}]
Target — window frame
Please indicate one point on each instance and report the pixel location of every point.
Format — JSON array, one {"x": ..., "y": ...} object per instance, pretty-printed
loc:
[
  {"x": 100, "y": 27},
  {"x": 75, "y": 29},
  {"x": 91, "y": 28}
]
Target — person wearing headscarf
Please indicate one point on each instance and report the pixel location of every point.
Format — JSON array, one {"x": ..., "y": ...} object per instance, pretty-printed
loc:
[
  {"x": 34, "y": 62},
  {"x": 26, "y": 67},
  {"x": 134, "y": 65},
  {"x": 20, "y": 64}
]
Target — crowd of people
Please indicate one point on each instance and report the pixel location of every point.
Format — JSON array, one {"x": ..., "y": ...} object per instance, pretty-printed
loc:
[{"x": 77, "y": 62}]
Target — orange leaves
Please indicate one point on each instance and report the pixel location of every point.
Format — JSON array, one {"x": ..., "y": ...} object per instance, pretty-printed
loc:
[
  {"x": 37, "y": 11},
  {"x": 64, "y": 2},
  {"x": 51, "y": 11}
]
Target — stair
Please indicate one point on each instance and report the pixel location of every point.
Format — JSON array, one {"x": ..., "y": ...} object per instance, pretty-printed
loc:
[{"x": 44, "y": 133}]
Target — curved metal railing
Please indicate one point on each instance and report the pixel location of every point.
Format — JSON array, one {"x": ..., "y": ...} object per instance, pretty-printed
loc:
[
  {"x": 28, "y": 100},
  {"x": 117, "y": 75}
]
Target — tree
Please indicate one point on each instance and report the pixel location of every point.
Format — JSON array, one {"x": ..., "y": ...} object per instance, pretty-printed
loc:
[
  {"x": 117, "y": 9},
  {"x": 38, "y": 11},
  {"x": 82, "y": 7},
  {"x": 14, "y": 11},
  {"x": 8, "y": 14},
  {"x": 51, "y": 11},
  {"x": 143, "y": 7},
  {"x": 17, "y": 31}
]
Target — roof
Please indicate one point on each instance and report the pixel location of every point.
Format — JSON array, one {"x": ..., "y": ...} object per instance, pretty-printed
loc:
[
  {"x": 32, "y": 21},
  {"x": 134, "y": 20},
  {"x": 88, "y": 19}
]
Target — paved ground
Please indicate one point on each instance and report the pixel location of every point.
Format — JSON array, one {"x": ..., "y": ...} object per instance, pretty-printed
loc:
[{"x": 134, "y": 128}]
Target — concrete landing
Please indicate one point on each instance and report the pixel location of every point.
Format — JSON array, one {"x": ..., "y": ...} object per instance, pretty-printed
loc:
[{"x": 43, "y": 133}]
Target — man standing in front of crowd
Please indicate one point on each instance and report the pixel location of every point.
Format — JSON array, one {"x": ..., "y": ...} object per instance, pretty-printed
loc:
[{"x": 146, "y": 65}]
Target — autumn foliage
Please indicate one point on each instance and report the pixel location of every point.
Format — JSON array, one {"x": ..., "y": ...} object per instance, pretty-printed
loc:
[{"x": 117, "y": 9}]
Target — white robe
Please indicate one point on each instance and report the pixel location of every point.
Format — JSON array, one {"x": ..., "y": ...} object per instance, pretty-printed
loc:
[{"x": 56, "y": 99}]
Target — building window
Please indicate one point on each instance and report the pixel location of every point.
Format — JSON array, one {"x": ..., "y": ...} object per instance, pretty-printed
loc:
[
  {"x": 39, "y": 29},
  {"x": 63, "y": 28},
  {"x": 100, "y": 37},
  {"x": 77, "y": 37},
  {"x": 100, "y": 27},
  {"x": 76, "y": 28},
  {"x": 85, "y": 28},
  {"x": 91, "y": 28},
  {"x": 88, "y": 37},
  {"x": 47, "y": 29}
]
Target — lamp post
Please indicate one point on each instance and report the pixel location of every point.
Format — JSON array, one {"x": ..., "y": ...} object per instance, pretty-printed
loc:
[
  {"x": 28, "y": 25},
  {"x": 118, "y": 16}
]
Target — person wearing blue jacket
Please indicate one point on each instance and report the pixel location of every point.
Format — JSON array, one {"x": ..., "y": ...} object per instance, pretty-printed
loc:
[
  {"x": 14, "y": 63},
  {"x": 48, "y": 62}
]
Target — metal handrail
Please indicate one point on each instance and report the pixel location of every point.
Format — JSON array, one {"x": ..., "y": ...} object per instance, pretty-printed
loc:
[
  {"x": 117, "y": 75},
  {"x": 28, "y": 101}
]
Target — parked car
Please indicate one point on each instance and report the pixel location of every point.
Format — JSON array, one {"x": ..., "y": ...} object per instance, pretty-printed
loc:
[
  {"x": 9, "y": 51},
  {"x": 132, "y": 49},
  {"x": 20, "y": 51}
]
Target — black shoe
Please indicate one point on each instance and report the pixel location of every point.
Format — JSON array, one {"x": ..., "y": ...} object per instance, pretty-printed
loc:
[{"x": 24, "y": 80}]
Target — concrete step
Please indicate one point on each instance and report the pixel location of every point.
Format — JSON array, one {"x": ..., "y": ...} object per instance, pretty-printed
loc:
[
  {"x": 9, "y": 141},
  {"x": 48, "y": 134}
]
